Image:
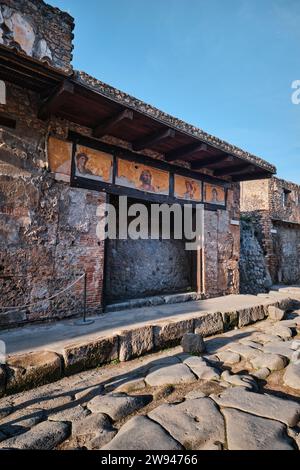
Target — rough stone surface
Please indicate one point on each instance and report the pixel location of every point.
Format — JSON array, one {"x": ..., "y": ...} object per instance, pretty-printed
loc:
[
  {"x": 196, "y": 424},
  {"x": 73, "y": 414},
  {"x": 117, "y": 405},
  {"x": 264, "y": 405},
  {"x": 275, "y": 313},
  {"x": 135, "y": 343},
  {"x": 44, "y": 436},
  {"x": 228, "y": 357},
  {"x": 201, "y": 369},
  {"x": 193, "y": 394},
  {"x": 261, "y": 373},
  {"x": 140, "y": 433},
  {"x": 192, "y": 343},
  {"x": 239, "y": 380},
  {"x": 93, "y": 431},
  {"x": 170, "y": 334},
  {"x": 21, "y": 421},
  {"x": 278, "y": 330},
  {"x": 94, "y": 353},
  {"x": 208, "y": 323},
  {"x": 249, "y": 432},
  {"x": 292, "y": 376},
  {"x": 271, "y": 361},
  {"x": 31, "y": 370},
  {"x": 281, "y": 348},
  {"x": 131, "y": 386},
  {"x": 245, "y": 351},
  {"x": 170, "y": 375}
]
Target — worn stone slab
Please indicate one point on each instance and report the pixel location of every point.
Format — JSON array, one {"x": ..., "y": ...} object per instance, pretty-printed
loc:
[
  {"x": 249, "y": 432},
  {"x": 50, "y": 403},
  {"x": 295, "y": 357},
  {"x": 239, "y": 380},
  {"x": 70, "y": 414},
  {"x": 262, "y": 373},
  {"x": 133, "y": 385},
  {"x": 196, "y": 424},
  {"x": 93, "y": 353},
  {"x": 282, "y": 331},
  {"x": 208, "y": 323},
  {"x": 264, "y": 338},
  {"x": 25, "y": 371},
  {"x": 228, "y": 357},
  {"x": 44, "y": 436},
  {"x": 295, "y": 344},
  {"x": 193, "y": 394},
  {"x": 192, "y": 343},
  {"x": 271, "y": 361},
  {"x": 118, "y": 405},
  {"x": 93, "y": 431},
  {"x": 268, "y": 406},
  {"x": 169, "y": 334},
  {"x": 170, "y": 375},
  {"x": 201, "y": 369},
  {"x": 247, "y": 352},
  {"x": 252, "y": 344},
  {"x": 135, "y": 343},
  {"x": 283, "y": 348},
  {"x": 21, "y": 421},
  {"x": 140, "y": 433},
  {"x": 251, "y": 315},
  {"x": 275, "y": 313},
  {"x": 292, "y": 376}
]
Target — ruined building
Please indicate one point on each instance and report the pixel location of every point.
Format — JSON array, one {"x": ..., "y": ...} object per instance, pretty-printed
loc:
[
  {"x": 272, "y": 208},
  {"x": 70, "y": 143}
]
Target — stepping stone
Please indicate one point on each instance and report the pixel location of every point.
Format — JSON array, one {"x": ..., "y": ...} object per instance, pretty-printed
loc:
[
  {"x": 201, "y": 369},
  {"x": 43, "y": 436},
  {"x": 70, "y": 414},
  {"x": 196, "y": 424},
  {"x": 292, "y": 376},
  {"x": 170, "y": 375},
  {"x": 264, "y": 405},
  {"x": 245, "y": 351},
  {"x": 192, "y": 343},
  {"x": 249, "y": 432},
  {"x": 21, "y": 421},
  {"x": 271, "y": 361},
  {"x": 93, "y": 431},
  {"x": 228, "y": 357},
  {"x": 117, "y": 405},
  {"x": 140, "y": 433},
  {"x": 239, "y": 380}
]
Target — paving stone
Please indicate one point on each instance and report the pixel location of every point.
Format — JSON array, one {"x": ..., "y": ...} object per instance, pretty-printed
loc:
[
  {"x": 90, "y": 354},
  {"x": 265, "y": 338},
  {"x": 240, "y": 380},
  {"x": 89, "y": 393},
  {"x": 118, "y": 405},
  {"x": 93, "y": 431},
  {"x": 192, "y": 343},
  {"x": 208, "y": 323},
  {"x": 200, "y": 368},
  {"x": 295, "y": 344},
  {"x": 70, "y": 414},
  {"x": 140, "y": 433},
  {"x": 252, "y": 344},
  {"x": 268, "y": 406},
  {"x": 251, "y": 315},
  {"x": 47, "y": 403},
  {"x": 271, "y": 361},
  {"x": 170, "y": 375},
  {"x": 245, "y": 351},
  {"x": 228, "y": 357},
  {"x": 262, "y": 373},
  {"x": 249, "y": 432},
  {"x": 170, "y": 333},
  {"x": 44, "y": 436},
  {"x": 292, "y": 376},
  {"x": 2, "y": 436},
  {"x": 196, "y": 424},
  {"x": 278, "y": 330},
  {"x": 133, "y": 385},
  {"x": 135, "y": 343},
  {"x": 21, "y": 421},
  {"x": 5, "y": 408},
  {"x": 295, "y": 357},
  {"x": 193, "y": 394},
  {"x": 283, "y": 348},
  {"x": 33, "y": 369},
  {"x": 275, "y": 313}
]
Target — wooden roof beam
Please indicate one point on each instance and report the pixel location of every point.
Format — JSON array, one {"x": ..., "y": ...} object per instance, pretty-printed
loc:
[
  {"x": 56, "y": 100},
  {"x": 107, "y": 125},
  {"x": 207, "y": 162},
  {"x": 182, "y": 152},
  {"x": 235, "y": 170},
  {"x": 152, "y": 139}
]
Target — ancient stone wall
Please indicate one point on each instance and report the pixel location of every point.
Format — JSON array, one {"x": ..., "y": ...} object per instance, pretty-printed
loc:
[{"x": 38, "y": 30}]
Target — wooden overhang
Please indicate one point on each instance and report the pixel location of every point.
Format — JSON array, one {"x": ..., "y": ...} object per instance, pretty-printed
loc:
[{"x": 65, "y": 96}]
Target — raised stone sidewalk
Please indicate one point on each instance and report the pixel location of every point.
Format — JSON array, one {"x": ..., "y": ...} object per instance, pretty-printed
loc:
[{"x": 40, "y": 354}]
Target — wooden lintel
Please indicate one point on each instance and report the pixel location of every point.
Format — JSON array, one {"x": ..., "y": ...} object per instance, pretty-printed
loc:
[
  {"x": 207, "y": 162},
  {"x": 183, "y": 152},
  {"x": 106, "y": 126},
  {"x": 235, "y": 170},
  {"x": 152, "y": 139},
  {"x": 252, "y": 177},
  {"x": 53, "y": 103}
]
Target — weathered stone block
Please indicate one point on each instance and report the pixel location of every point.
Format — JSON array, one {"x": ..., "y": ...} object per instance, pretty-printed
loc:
[
  {"x": 275, "y": 313},
  {"x": 91, "y": 354},
  {"x": 192, "y": 343},
  {"x": 135, "y": 343},
  {"x": 12, "y": 318},
  {"x": 208, "y": 323},
  {"x": 32, "y": 369},
  {"x": 251, "y": 315},
  {"x": 170, "y": 334},
  {"x": 230, "y": 320}
]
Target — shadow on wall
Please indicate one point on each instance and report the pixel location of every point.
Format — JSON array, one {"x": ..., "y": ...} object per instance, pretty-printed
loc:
[{"x": 254, "y": 274}]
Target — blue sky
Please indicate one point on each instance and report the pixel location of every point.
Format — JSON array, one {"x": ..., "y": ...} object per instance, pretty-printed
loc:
[{"x": 225, "y": 66}]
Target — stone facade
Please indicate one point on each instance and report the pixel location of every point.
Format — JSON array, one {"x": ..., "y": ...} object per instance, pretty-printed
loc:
[{"x": 273, "y": 206}]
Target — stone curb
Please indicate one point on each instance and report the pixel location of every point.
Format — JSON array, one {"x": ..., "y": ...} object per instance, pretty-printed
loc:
[{"x": 30, "y": 370}]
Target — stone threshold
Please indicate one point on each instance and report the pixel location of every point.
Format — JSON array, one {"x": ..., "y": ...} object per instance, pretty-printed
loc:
[
  {"x": 152, "y": 301},
  {"x": 40, "y": 365}
]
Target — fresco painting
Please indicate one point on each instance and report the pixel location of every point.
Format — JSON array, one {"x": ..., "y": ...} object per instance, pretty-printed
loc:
[
  {"x": 59, "y": 156},
  {"x": 93, "y": 164},
  {"x": 187, "y": 188},
  {"x": 142, "y": 177},
  {"x": 214, "y": 194}
]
